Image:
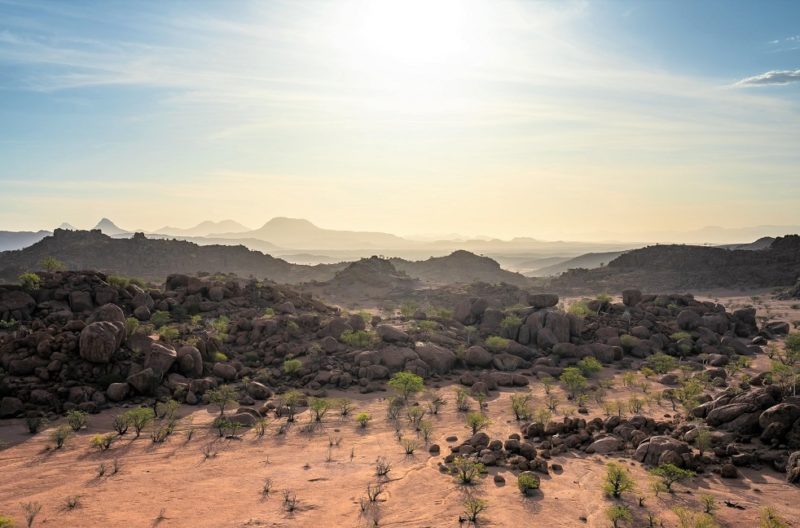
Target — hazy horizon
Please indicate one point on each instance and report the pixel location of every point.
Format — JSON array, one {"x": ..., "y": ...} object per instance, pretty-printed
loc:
[{"x": 579, "y": 120}]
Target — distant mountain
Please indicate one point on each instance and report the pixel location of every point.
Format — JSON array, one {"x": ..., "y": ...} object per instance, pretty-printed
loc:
[
  {"x": 107, "y": 227},
  {"x": 154, "y": 259},
  {"x": 295, "y": 233},
  {"x": 587, "y": 261},
  {"x": 670, "y": 268},
  {"x": 761, "y": 243},
  {"x": 65, "y": 225},
  {"x": 10, "y": 240},
  {"x": 459, "y": 267},
  {"x": 205, "y": 229}
]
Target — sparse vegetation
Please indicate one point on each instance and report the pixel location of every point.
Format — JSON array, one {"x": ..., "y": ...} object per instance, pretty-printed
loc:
[
  {"x": 618, "y": 480},
  {"x": 77, "y": 420},
  {"x": 670, "y": 474},
  {"x": 61, "y": 434},
  {"x": 406, "y": 384},
  {"x": 466, "y": 470},
  {"x": 473, "y": 507}
]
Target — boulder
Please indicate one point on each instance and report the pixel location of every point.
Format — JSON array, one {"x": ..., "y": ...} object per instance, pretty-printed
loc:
[
  {"x": 779, "y": 418},
  {"x": 10, "y": 407},
  {"x": 160, "y": 358},
  {"x": 99, "y": 340},
  {"x": 656, "y": 450},
  {"x": 440, "y": 360},
  {"x": 145, "y": 381},
  {"x": 793, "y": 468},
  {"x": 80, "y": 301},
  {"x": 190, "y": 361},
  {"x": 542, "y": 300},
  {"x": 604, "y": 445},
  {"x": 688, "y": 320},
  {"x": 258, "y": 391},
  {"x": 391, "y": 334},
  {"x": 631, "y": 297},
  {"x": 108, "y": 312},
  {"x": 117, "y": 392},
  {"x": 728, "y": 413},
  {"x": 476, "y": 356},
  {"x": 225, "y": 371}
]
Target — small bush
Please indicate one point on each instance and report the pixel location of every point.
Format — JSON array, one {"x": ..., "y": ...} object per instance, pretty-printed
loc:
[
  {"x": 406, "y": 384},
  {"x": 357, "y": 338},
  {"x": 661, "y": 363},
  {"x": 527, "y": 482},
  {"x": 473, "y": 507},
  {"x": 466, "y": 470},
  {"x": 319, "y": 407},
  {"x": 589, "y": 366},
  {"x": 139, "y": 418},
  {"x": 103, "y": 441},
  {"x": 34, "y": 424},
  {"x": 31, "y": 510},
  {"x": 363, "y": 419},
  {"x": 382, "y": 467},
  {"x": 60, "y": 435},
  {"x": 6, "y": 522},
  {"x": 30, "y": 281},
  {"x": 222, "y": 396},
  {"x": 617, "y": 481},
  {"x": 769, "y": 518},
  {"x": 617, "y": 514},
  {"x": 292, "y": 366},
  {"x": 77, "y": 420},
  {"x": 580, "y": 308},
  {"x": 496, "y": 343},
  {"x": 409, "y": 445},
  {"x": 219, "y": 357},
  {"x": 477, "y": 422},
  {"x": 160, "y": 318},
  {"x": 670, "y": 474}
]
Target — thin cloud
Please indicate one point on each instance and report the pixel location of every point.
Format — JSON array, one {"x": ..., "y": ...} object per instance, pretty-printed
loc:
[{"x": 774, "y": 77}]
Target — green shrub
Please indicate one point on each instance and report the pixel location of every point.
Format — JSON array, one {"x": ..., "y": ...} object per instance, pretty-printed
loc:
[
  {"x": 573, "y": 380},
  {"x": 169, "y": 333},
  {"x": 131, "y": 325},
  {"x": 466, "y": 470},
  {"x": 661, "y": 363},
  {"x": 60, "y": 435},
  {"x": 103, "y": 441},
  {"x": 159, "y": 318},
  {"x": 580, "y": 308},
  {"x": 406, "y": 384},
  {"x": 628, "y": 341},
  {"x": 520, "y": 406},
  {"x": 472, "y": 508},
  {"x": 496, "y": 343},
  {"x": 6, "y": 522},
  {"x": 77, "y": 419},
  {"x": 678, "y": 336},
  {"x": 510, "y": 322},
  {"x": 477, "y": 422},
  {"x": 427, "y": 326},
  {"x": 319, "y": 407},
  {"x": 363, "y": 419},
  {"x": 356, "y": 338},
  {"x": 589, "y": 366},
  {"x": 618, "y": 480},
  {"x": 51, "y": 264},
  {"x": 670, "y": 474},
  {"x": 222, "y": 396},
  {"x": 292, "y": 366},
  {"x": 527, "y": 482},
  {"x": 139, "y": 418},
  {"x": 220, "y": 325},
  {"x": 768, "y": 518},
  {"x": 618, "y": 513},
  {"x": 219, "y": 357},
  {"x": 30, "y": 281}
]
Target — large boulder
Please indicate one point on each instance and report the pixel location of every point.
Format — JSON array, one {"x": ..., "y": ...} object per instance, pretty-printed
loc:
[
  {"x": 605, "y": 445},
  {"x": 10, "y": 407},
  {"x": 160, "y": 358},
  {"x": 99, "y": 340},
  {"x": 778, "y": 419},
  {"x": 688, "y": 319},
  {"x": 727, "y": 413},
  {"x": 225, "y": 371},
  {"x": 108, "y": 312},
  {"x": 793, "y": 468},
  {"x": 145, "y": 381},
  {"x": 80, "y": 301},
  {"x": 542, "y": 300},
  {"x": 395, "y": 358},
  {"x": 391, "y": 334},
  {"x": 476, "y": 356},
  {"x": 440, "y": 360},
  {"x": 117, "y": 391},
  {"x": 258, "y": 391},
  {"x": 190, "y": 361},
  {"x": 631, "y": 297},
  {"x": 16, "y": 301},
  {"x": 658, "y": 449}
]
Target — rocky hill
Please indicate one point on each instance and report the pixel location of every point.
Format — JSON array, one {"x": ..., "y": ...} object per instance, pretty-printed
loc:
[
  {"x": 148, "y": 258},
  {"x": 459, "y": 267},
  {"x": 665, "y": 268}
]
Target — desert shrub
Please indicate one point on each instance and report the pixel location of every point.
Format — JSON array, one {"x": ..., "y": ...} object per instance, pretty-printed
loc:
[
  {"x": 357, "y": 338},
  {"x": 209, "y": 451},
  {"x": 6, "y": 522},
  {"x": 363, "y": 419},
  {"x": 345, "y": 406},
  {"x": 408, "y": 308},
  {"x": 169, "y": 333},
  {"x": 292, "y": 366},
  {"x": 703, "y": 440},
  {"x": 678, "y": 336},
  {"x": 406, "y": 384},
  {"x": 661, "y": 363},
  {"x": 167, "y": 409},
  {"x": 510, "y": 322},
  {"x": 709, "y": 503},
  {"x": 160, "y": 318},
  {"x": 427, "y": 326},
  {"x": 617, "y": 514},
  {"x": 691, "y": 519},
  {"x": 31, "y": 510},
  {"x": 415, "y": 415},
  {"x": 477, "y": 422},
  {"x": 580, "y": 308},
  {"x": 60, "y": 435},
  {"x": 289, "y": 501},
  {"x": 382, "y": 467},
  {"x": 521, "y": 406},
  {"x": 628, "y": 341},
  {"x": 769, "y": 518},
  {"x": 589, "y": 366},
  {"x": 462, "y": 399},
  {"x": 319, "y": 407},
  {"x": 222, "y": 396},
  {"x": 160, "y": 434},
  {"x": 34, "y": 424},
  {"x": 77, "y": 419},
  {"x": 425, "y": 429},
  {"x": 140, "y": 418},
  {"x": 573, "y": 380},
  {"x": 436, "y": 403},
  {"x": 131, "y": 325},
  {"x": 496, "y": 343},
  {"x": 635, "y": 405},
  {"x": 220, "y": 325},
  {"x": 30, "y": 281},
  {"x": 103, "y": 441},
  {"x": 473, "y": 507},
  {"x": 466, "y": 470},
  {"x": 409, "y": 445},
  {"x": 617, "y": 481},
  {"x": 670, "y": 474},
  {"x": 441, "y": 313},
  {"x": 527, "y": 482},
  {"x": 219, "y": 357}
]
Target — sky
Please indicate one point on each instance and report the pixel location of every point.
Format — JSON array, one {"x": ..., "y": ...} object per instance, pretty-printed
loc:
[{"x": 581, "y": 120}]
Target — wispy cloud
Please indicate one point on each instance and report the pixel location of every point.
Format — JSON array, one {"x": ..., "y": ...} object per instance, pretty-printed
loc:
[{"x": 771, "y": 78}]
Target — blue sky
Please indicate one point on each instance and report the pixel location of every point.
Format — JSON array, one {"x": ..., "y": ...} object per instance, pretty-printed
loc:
[{"x": 604, "y": 119}]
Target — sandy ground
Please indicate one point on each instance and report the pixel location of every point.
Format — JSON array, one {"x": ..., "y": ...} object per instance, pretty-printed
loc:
[{"x": 174, "y": 485}]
